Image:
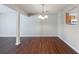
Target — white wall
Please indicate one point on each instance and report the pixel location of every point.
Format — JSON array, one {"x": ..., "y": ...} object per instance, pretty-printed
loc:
[
  {"x": 30, "y": 26},
  {"x": 7, "y": 24},
  {"x": 50, "y": 26},
  {"x": 60, "y": 21},
  {"x": 69, "y": 33}
]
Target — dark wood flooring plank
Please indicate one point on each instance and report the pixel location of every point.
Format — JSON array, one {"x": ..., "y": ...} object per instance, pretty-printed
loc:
[{"x": 35, "y": 45}]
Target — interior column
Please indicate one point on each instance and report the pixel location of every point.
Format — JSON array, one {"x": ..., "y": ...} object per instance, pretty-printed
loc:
[{"x": 18, "y": 29}]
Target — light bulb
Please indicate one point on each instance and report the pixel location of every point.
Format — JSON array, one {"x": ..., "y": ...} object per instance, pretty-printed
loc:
[
  {"x": 46, "y": 16},
  {"x": 41, "y": 17}
]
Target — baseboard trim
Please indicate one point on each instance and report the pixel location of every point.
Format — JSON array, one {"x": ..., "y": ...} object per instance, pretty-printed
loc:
[
  {"x": 7, "y": 35},
  {"x": 68, "y": 44},
  {"x": 38, "y": 36},
  {"x": 29, "y": 36}
]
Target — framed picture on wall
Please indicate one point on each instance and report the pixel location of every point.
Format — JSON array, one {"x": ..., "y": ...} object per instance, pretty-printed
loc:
[{"x": 71, "y": 18}]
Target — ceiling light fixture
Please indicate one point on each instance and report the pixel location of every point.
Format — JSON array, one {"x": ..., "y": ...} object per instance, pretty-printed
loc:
[{"x": 43, "y": 15}]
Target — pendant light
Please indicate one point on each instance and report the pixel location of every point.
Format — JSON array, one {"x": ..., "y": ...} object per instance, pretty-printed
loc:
[{"x": 43, "y": 15}]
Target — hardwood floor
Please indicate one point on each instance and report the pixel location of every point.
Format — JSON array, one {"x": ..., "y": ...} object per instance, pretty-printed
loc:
[{"x": 35, "y": 45}]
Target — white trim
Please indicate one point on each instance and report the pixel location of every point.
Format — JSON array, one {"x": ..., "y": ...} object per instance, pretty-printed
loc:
[
  {"x": 38, "y": 35},
  {"x": 18, "y": 43},
  {"x": 29, "y": 35},
  {"x": 68, "y": 44},
  {"x": 7, "y": 35},
  {"x": 18, "y": 29}
]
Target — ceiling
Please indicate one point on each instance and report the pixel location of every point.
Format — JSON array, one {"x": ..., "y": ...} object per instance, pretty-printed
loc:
[
  {"x": 4, "y": 9},
  {"x": 37, "y": 8},
  {"x": 31, "y": 9}
]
